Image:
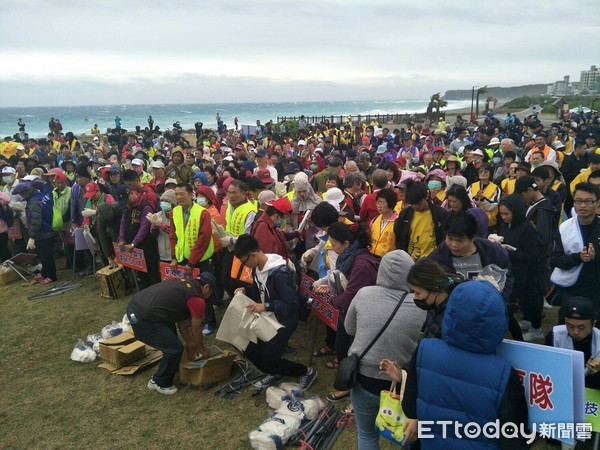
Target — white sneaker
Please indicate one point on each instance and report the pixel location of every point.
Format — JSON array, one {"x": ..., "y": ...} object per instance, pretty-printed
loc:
[
  {"x": 547, "y": 305},
  {"x": 534, "y": 334},
  {"x": 161, "y": 390},
  {"x": 525, "y": 325}
]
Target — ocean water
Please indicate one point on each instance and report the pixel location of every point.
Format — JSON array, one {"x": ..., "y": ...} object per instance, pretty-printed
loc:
[{"x": 80, "y": 119}]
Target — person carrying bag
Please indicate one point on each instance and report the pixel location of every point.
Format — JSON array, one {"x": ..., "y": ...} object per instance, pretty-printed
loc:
[{"x": 347, "y": 372}]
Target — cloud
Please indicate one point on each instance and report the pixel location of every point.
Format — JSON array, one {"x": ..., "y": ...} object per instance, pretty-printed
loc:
[{"x": 237, "y": 51}]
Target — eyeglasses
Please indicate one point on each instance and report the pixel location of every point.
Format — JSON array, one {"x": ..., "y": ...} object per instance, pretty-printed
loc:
[
  {"x": 587, "y": 201},
  {"x": 246, "y": 259}
]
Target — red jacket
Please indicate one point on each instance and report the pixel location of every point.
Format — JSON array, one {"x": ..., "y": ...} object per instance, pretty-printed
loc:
[
  {"x": 270, "y": 238},
  {"x": 368, "y": 210},
  {"x": 316, "y": 159},
  {"x": 150, "y": 197}
]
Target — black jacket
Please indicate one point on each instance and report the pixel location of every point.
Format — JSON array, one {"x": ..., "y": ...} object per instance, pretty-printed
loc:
[
  {"x": 543, "y": 218},
  {"x": 587, "y": 283},
  {"x": 572, "y": 166},
  {"x": 489, "y": 253},
  {"x": 280, "y": 294},
  {"x": 402, "y": 225}
]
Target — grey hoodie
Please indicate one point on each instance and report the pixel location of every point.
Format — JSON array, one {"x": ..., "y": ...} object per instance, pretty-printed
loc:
[{"x": 371, "y": 308}]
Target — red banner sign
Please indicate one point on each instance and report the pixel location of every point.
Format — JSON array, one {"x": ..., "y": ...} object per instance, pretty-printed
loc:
[
  {"x": 134, "y": 259},
  {"x": 322, "y": 307},
  {"x": 167, "y": 272},
  {"x": 14, "y": 232}
]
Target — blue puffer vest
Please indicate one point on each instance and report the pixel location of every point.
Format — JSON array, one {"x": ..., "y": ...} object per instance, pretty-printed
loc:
[{"x": 460, "y": 379}]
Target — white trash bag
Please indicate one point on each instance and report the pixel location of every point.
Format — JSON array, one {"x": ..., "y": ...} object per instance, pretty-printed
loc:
[
  {"x": 83, "y": 353},
  {"x": 111, "y": 330},
  {"x": 275, "y": 432}
]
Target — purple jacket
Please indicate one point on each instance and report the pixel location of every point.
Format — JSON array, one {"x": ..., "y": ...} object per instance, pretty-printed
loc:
[{"x": 363, "y": 273}]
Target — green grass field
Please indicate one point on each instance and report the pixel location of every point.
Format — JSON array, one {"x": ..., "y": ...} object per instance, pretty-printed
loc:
[{"x": 49, "y": 401}]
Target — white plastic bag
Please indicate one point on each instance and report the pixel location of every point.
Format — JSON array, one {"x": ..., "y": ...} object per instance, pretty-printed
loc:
[
  {"x": 312, "y": 407},
  {"x": 276, "y": 396},
  {"x": 111, "y": 330},
  {"x": 494, "y": 274},
  {"x": 83, "y": 353},
  {"x": 274, "y": 432}
]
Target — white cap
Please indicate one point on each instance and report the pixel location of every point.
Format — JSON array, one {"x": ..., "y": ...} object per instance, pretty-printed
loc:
[
  {"x": 96, "y": 138},
  {"x": 157, "y": 165},
  {"x": 137, "y": 162},
  {"x": 8, "y": 170},
  {"x": 30, "y": 177},
  {"x": 477, "y": 152},
  {"x": 209, "y": 159},
  {"x": 228, "y": 158},
  {"x": 301, "y": 142},
  {"x": 20, "y": 147},
  {"x": 171, "y": 181}
]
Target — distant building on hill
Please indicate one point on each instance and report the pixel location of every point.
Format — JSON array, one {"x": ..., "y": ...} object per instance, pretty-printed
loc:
[
  {"x": 560, "y": 88},
  {"x": 589, "y": 78}
]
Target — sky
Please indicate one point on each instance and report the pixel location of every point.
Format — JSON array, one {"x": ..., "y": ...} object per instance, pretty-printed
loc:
[{"x": 63, "y": 52}]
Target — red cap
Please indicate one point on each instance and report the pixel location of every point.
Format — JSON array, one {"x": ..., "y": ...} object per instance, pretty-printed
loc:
[
  {"x": 90, "y": 190},
  {"x": 438, "y": 148},
  {"x": 265, "y": 176},
  {"x": 60, "y": 176},
  {"x": 282, "y": 205},
  {"x": 401, "y": 160}
]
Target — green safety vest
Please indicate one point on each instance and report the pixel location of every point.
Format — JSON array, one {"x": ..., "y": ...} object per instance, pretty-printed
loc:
[
  {"x": 186, "y": 238},
  {"x": 236, "y": 218}
]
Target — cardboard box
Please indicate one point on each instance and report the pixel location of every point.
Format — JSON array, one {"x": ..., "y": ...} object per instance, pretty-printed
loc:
[
  {"x": 121, "y": 350},
  {"x": 112, "y": 282},
  {"x": 212, "y": 370},
  {"x": 7, "y": 276},
  {"x": 152, "y": 356}
]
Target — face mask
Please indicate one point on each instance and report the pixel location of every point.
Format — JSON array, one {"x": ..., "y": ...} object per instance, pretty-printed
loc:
[
  {"x": 496, "y": 160},
  {"x": 280, "y": 223},
  {"x": 201, "y": 201},
  {"x": 313, "y": 166},
  {"x": 369, "y": 134},
  {"x": 434, "y": 185},
  {"x": 424, "y": 305},
  {"x": 165, "y": 206},
  {"x": 7, "y": 180}
]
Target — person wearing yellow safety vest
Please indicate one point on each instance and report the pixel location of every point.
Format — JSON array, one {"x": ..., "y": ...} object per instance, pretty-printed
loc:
[
  {"x": 239, "y": 217},
  {"x": 61, "y": 211},
  {"x": 190, "y": 236},
  {"x": 584, "y": 175},
  {"x": 190, "y": 232},
  {"x": 486, "y": 194},
  {"x": 383, "y": 239}
]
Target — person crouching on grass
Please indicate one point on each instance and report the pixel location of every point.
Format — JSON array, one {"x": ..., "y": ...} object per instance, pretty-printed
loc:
[
  {"x": 153, "y": 313},
  {"x": 275, "y": 290}
]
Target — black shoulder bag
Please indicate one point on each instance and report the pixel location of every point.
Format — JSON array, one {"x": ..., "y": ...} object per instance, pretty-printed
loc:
[{"x": 347, "y": 371}]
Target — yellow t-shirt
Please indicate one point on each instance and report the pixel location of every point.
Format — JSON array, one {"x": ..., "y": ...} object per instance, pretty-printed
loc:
[{"x": 421, "y": 241}]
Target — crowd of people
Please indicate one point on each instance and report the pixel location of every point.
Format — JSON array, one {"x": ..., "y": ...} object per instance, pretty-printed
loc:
[{"x": 500, "y": 214}]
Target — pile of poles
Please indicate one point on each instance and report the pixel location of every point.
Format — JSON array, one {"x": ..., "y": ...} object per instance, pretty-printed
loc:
[{"x": 322, "y": 432}]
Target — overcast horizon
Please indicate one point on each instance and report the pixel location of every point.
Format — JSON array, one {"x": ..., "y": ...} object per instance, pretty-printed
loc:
[{"x": 64, "y": 53}]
